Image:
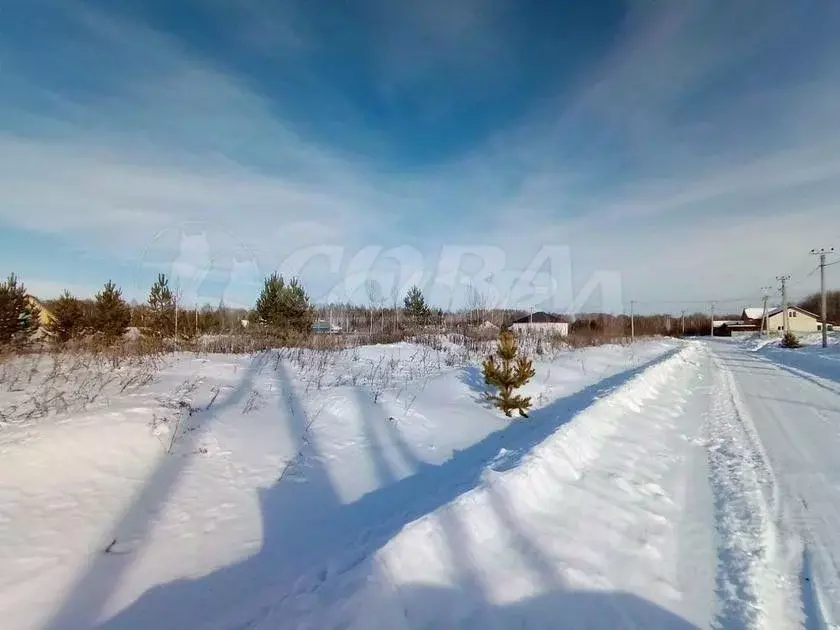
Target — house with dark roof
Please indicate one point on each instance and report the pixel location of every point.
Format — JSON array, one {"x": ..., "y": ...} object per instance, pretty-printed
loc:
[{"x": 541, "y": 323}]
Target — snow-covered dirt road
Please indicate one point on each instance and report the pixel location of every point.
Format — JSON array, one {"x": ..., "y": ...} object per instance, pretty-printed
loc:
[
  {"x": 792, "y": 424},
  {"x": 665, "y": 485}
]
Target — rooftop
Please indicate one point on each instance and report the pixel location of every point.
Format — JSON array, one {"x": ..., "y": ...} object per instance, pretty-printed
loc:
[{"x": 539, "y": 317}]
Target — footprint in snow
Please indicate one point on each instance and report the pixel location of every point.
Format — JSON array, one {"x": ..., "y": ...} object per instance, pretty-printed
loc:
[{"x": 504, "y": 460}]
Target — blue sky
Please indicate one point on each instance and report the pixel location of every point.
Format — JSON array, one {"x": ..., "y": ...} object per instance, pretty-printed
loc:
[{"x": 658, "y": 150}]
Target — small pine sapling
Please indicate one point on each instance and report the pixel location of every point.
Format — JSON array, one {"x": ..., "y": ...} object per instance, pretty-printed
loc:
[
  {"x": 506, "y": 371},
  {"x": 789, "y": 340}
]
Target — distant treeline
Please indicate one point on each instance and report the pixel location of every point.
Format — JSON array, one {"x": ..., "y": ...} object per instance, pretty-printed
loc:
[
  {"x": 285, "y": 312},
  {"x": 813, "y": 303}
]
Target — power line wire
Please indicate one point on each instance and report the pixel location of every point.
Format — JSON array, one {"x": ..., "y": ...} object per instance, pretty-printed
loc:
[
  {"x": 798, "y": 281},
  {"x": 717, "y": 301}
]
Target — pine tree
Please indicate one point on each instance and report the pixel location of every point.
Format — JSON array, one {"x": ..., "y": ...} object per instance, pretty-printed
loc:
[
  {"x": 111, "y": 313},
  {"x": 19, "y": 317},
  {"x": 161, "y": 306},
  {"x": 789, "y": 340},
  {"x": 510, "y": 372},
  {"x": 284, "y": 307},
  {"x": 297, "y": 309},
  {"x": 269, "y": 309},
  {"x": 69, "y": 319},
  {"x": 416, "y": 307}
]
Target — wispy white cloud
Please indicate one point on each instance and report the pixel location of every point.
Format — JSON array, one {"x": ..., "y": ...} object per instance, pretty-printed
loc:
[
  {"x": 175, "y": 140},
  {"x": 696, "y": 180},
  {"x": 664, "y": 161}
]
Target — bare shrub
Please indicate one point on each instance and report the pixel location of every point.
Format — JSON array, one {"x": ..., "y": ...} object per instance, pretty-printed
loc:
[
  {"x": 253, "y": 402},
  {"x": 390, "y": 336},
  {"x": 69, "y": 380},
  {"x": 589, "y": 339}
]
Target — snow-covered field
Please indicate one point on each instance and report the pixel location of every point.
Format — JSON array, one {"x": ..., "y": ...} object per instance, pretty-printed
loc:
[
  {"x": 661, "y": 485},
  {"x": 282, "y": 466}
]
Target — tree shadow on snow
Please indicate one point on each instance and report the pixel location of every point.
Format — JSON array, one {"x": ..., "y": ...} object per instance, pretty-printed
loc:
[
  {"x": 826, "y": 366},
  {"x": 91, "y": 591},
  {"x": 374, "y": 421},
  {"x": 309, "y": 534},
  {"x": 473, "y": 377},
  {"x": 448, "y": 608}
]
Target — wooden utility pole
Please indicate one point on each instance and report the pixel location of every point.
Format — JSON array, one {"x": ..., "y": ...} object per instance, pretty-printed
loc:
[
  {"x": 823, "y": 307},
  {"x": 712, "y": 325},
  {"x": 683, "y": 322},
  {"x": 632, "y": 320},
  {"x": 783, "y": 279},
  {"x": 766, "y": 295}
]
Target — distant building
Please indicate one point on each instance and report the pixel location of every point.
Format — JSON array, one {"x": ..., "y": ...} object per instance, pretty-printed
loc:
[
  {"x": 755, "y": 313},
  {"x": 540, "y": 322},
  {"x": 324, "y": 327},
  {"x": 799, "y": 320},
  {"x": 726, "y": 328}
]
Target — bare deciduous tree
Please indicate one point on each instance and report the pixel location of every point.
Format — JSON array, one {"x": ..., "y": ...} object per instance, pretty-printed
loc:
[
  {"x": 374, "y": 294},
  {"x": 476, "y": 303}
]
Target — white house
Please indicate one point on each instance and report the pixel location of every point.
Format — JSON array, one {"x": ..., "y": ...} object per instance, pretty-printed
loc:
[
  {"x": 799, "y": 320},
  {"x": 540, "y": 323}
]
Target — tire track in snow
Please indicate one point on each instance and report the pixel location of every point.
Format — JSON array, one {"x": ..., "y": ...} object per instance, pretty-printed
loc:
[
  {"x": 815, "y": 614},
  {"x": 752, "y": 588}
]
